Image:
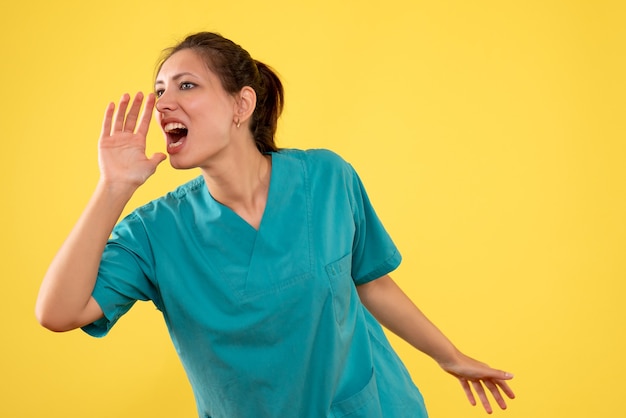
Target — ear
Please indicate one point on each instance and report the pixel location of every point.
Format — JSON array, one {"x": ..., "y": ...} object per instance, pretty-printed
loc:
[{"x": 245, "y": 103}]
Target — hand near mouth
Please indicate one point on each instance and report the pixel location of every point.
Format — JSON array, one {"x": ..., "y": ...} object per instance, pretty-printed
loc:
[{"x": 122, "y": 145}]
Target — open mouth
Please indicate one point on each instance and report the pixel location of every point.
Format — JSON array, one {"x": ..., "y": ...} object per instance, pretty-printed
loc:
[{"x": 175, "y": 132}]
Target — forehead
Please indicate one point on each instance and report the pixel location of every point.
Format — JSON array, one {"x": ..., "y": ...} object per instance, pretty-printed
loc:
[{"x": 183, "y": 61}]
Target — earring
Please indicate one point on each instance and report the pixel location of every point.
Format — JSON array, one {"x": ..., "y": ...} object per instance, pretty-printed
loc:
[{"x": 238, "y": 123}]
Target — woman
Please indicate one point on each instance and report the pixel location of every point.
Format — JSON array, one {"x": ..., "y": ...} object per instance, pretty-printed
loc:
[{"x": 270, "y": 269}]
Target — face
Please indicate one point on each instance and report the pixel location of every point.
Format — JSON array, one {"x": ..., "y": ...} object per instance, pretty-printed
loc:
[{"x": 193, "y": 109}]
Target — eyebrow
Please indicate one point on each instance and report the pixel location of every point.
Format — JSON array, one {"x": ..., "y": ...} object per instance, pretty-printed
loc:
[{"x": 175, "y": 78}]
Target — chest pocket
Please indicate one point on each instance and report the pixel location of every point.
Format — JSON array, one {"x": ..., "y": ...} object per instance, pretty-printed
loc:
[{"x": 342, "y": 287}]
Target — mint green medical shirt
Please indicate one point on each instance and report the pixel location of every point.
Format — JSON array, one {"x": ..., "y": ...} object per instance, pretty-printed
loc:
[{"x": 267, "y": 322}]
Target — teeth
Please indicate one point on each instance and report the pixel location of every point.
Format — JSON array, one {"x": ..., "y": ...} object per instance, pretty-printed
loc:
[
  {"x": 173, "y": 126},
  {"x": 175, "y": 144}
]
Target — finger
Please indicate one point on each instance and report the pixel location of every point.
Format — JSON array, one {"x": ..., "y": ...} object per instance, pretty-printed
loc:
[
  {"x": 133, "y": 113},
  {"x": 108, "y": 118},
  {"x": 506, "y": 388},
  {"x": 468, "y": 391},
  {"x": 157, "y": 158},
  {"x": 495, "y": 393},
  {"x": 121, "y": 113},
  {"x": 480, "y": 391},
  {"x": 495, "y": 374},
  {"x": 146, "y": 116},
  {"x": 502, "y": 375}
]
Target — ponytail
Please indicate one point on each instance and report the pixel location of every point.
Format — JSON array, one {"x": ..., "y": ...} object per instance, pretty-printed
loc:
[{"x": 269, "y": 107}]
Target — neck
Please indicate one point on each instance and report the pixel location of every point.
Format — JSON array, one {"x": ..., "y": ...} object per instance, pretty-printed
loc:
[{"x": 241, "y": 182}]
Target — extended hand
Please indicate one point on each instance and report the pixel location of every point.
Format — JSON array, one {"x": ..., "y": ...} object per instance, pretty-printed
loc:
[
  {"x": 122, "y": 145},
  {"x": 474, "y": 374}
]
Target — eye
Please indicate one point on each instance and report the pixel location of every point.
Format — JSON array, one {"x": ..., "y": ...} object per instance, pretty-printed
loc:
[
  {"x": 159, "y": 92},
  {"x": 186, "y": 85}
]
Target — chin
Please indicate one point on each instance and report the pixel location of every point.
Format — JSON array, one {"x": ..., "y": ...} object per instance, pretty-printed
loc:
[{"x": 180, "y": 165}]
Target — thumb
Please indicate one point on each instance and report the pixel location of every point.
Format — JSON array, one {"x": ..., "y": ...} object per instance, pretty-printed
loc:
[
  {"x": 157, "y": 158},
  {"x": 154, "y": 161}
]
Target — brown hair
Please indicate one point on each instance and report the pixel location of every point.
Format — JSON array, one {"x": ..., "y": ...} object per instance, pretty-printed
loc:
[{"x": 236, "y": 69}]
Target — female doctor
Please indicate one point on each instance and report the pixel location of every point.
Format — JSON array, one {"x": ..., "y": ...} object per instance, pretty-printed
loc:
[{"x": 270, "y": 268}]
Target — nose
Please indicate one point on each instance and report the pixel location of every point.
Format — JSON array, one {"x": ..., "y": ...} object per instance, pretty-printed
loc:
[{"x": 165, "y": 102}]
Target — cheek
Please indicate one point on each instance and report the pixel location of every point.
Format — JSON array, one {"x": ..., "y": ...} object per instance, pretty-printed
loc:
[{"x": 211, "y": 114}]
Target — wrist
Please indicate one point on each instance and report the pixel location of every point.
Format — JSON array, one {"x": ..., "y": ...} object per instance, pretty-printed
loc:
[
  {"x": 449, "y": 357},
  {"x": 115, "y": 191}
]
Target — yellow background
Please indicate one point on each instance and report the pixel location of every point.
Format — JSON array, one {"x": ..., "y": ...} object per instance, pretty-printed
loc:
[{"x": 490, "y": 136}]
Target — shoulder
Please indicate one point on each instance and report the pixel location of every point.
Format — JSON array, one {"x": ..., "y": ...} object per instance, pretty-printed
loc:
[
  {"x": 168, "y": 204},
  {"x": 184, "y": 191},
  {"x": 319, "y": 160}
]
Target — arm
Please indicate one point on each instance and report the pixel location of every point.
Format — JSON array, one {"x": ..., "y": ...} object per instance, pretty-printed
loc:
[
  {"x": 390, "y": 305},
  {"x": 64, "y": 301}
]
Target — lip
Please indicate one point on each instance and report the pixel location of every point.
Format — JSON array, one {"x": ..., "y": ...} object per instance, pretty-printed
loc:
[
  {"x": 175, "y": 149},
  {"x": 165, "y": 121},
  {"x": 169, "y": 139}
]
